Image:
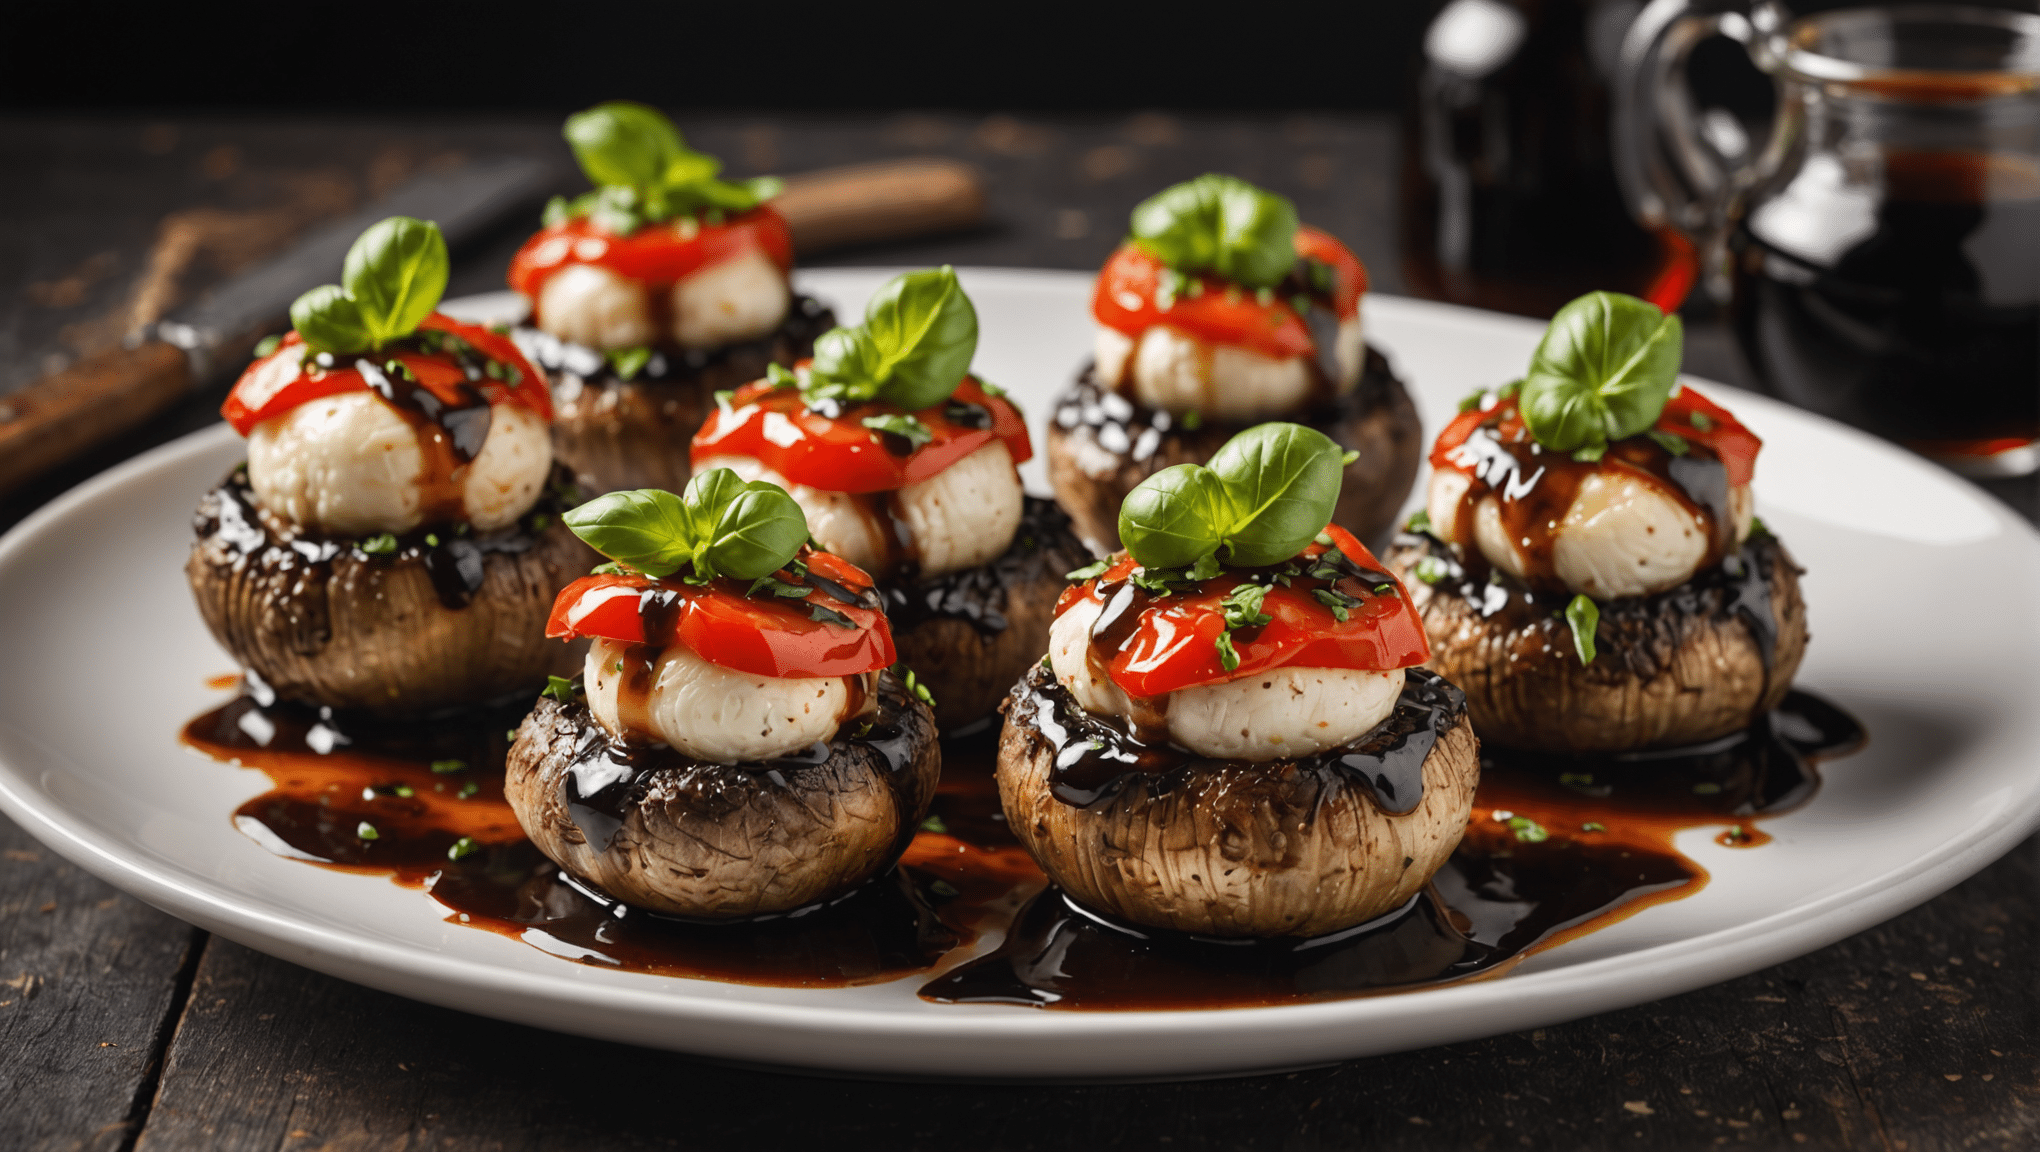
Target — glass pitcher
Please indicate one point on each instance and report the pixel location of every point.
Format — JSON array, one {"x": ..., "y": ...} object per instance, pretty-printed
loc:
[{"x": 1880, "y": 254}]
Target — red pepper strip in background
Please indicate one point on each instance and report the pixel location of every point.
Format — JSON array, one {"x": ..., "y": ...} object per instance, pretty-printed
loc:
[
  {"x": 261, "y": 395},
  {"x": 764, "y": 635},
  {"x": 773, "y": 425},
  {"x": 1175, "y": 645}
]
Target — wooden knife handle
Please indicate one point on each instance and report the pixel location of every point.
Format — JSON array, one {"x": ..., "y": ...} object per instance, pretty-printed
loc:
[
  {"x": 99, "y": 397},
  {"x": 887, "y": 200}
]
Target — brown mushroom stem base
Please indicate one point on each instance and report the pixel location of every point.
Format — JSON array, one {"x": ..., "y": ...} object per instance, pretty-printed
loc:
[
  {"x": 654, "y": 829},
  {"x": 436, "y": 619},
  {"x": 969, "y": 635},
  {"x": 1293, "y": 848},
  {"x": 1101, "y": 445},
  {"x": 1698, "y": 662},
  {"x": 619, "y": 434}
]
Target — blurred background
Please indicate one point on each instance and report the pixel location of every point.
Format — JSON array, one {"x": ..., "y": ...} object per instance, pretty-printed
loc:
[{"x": 1463, "y": 149}]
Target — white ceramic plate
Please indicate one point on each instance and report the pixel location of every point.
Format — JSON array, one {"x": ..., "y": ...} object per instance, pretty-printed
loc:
[{"x": 1924, "y": 621}]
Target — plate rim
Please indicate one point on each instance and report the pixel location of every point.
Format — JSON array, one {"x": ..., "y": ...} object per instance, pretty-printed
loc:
[{"x": 1497, "y": 1005}]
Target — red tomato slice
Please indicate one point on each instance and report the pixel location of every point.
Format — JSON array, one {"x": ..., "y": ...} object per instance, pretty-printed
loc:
[
  {"x": 1725, "y": 436},
  {"x": 656, "y": 255},
  {"x": 1125, "y": 300},
  {"x": 764, "y": 637},
  {"x": 262, "y": 395},
  {"x": 773, "y": 425},
  {"x": 1175, "y": 644}
]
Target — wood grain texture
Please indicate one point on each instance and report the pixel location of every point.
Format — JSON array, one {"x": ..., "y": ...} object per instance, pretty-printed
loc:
[
  {"x": 94, "y": 400},
  {"x": 1918, "y": 1035},
  {"x": 89, "y": 980}
]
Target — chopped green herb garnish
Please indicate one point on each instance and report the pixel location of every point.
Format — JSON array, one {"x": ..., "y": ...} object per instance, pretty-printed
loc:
[
  {"x": 267, "y": 346},
  {"x": 1324, "y": 539},
  {"x": 1583, "y": 616},
  {"x": 610, "y": 568},
  {"x": 1419, "y": 521},
  {"x": 381, "y": 544},
  {"x": 541, "y": 522},
  {"x": 366, "y": 831},
  {"x": 1527, "y": 830},
  {"x": 1593, "y": 826},
  {"x": 934, "y": 824},
  {"x": 463, "y": 848},
  {"x": 628, "y": 362},
  {"x": 1706, "y": 788},
  {"x": 913, "y": 684},
  {"x": 1701, "y": 421},
  {"x": 448, "y": 767},
  {"x": 1339, "y": 604},
  {"x": 1670, "y": 442},
  {"x": 511, "y": 735},
  {"x": 1576, "y": 779},
  {"x": 1228, "y": 656},
  {"x": 1242, "y": 606},
  {"x": 432, "y": 540},
  {"x": 942, "y": 888},
  {"x": 404, "y": 790},
  {"x": 1473, "y": 400},
  {"x": 823, "y": 614},
  {"x": 773, "y": 586},
  {"x": 777, "y": 375},
  {"x": 1095, "y": 568},
  {"x": 559, "y": 688},
  {"x": 1431, "y": 570},
  {"x": 907, "y": 427},
  {"x": 1351, "y": 455},
  {"x": 1192, "y": 420},
  {"x": 468, "y": 789}
]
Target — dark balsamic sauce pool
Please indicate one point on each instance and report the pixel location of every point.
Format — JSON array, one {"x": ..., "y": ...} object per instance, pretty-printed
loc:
[{"x": 1557, "y": 848}]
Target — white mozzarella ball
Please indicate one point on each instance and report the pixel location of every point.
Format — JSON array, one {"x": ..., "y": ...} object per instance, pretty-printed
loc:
[
  {"x": 964, "y": 515},
  {"x": 350, "y": 464},
  {"x": 1177, "y": 373},
  {"x": 1269, "y": 715},
  {"x": 1742, "y": 508},
  {"x": 961, "y": 517},
  {"x": 504, "y": 479},
  {"x": 1349, "y": 351},
  {"x": 1624, "y": 536},
  {"x": 1111, "y": 349},
  {"x": 718, "y": 714},
  {"x": 1282, "y": 712},
  {"x": 839, "y": 522},
  {"x": 588, "y": 304},
  {"x": 1069, "y": 658},
  {"x": 741, "y": 298},
  {"x": 1442, "y": 500}
]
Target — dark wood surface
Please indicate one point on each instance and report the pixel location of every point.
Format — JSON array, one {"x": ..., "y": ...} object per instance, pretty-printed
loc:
[{"x": 121, "y": 1027}]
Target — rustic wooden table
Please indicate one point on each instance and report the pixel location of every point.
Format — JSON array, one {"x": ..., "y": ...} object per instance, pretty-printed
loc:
[{"x": 121, "y": 1027}]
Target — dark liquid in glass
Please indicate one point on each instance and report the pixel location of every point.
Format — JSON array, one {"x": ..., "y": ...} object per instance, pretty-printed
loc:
[{"x": 1918, "y": 317}]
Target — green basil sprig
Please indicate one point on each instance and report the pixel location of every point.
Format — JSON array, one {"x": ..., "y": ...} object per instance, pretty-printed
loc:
[
  {"x": 391, "y": 281},
  {"x": 912, "y": 350},
  {"x": 721, "y": 526},
  {"x": 645, "y": 173},
  {"x": 1263, "y": 497},
  {"x": 1220, "y": 224},
  {"x": 1603, "y": 371}
]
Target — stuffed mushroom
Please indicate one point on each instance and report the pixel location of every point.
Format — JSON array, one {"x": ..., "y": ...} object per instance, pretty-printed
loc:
[
  {"x": 1230, "y": 735},
  {"x": 906, "y": 465},
  {"x": 736, "y": 745},
  {"x": 1589, "y": 565},
  {"x": 649, "y": 294},
  {"x": 392, "y": 544},
  {"x": 1220, "y": 312}
]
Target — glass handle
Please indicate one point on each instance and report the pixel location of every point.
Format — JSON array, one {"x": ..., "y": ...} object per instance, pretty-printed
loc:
[{"x": 1674, "y": 171}]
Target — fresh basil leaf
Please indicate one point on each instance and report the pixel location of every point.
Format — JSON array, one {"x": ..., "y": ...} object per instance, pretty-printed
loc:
[
  {"x": 329, "y": 320},
  {"x": 649, "y": 529},
  {"x": 745, "y": 530},
  {"x": 1228, "y": 656},
  {"x": 925, "y": 332},
  {"x": 396, "y": 273},
  {"x": 1175, "y": 517},
  {"x": 1671, "y": 442},
  {"x": 845, "y": 366},
  {"x": 1094, "y": 569},
  {"x": 1220, "y": 224},
  {"x": 1603, "y": 371},
  {"x": 1242, "y": 606},
  {"x": 1282, "y": 480},
  {"x": 1335, "y": 603},
  {"x": 1583, "y": 616},
  {"x": 915, "y": 432},
  {"x": 621, "y": 143}
]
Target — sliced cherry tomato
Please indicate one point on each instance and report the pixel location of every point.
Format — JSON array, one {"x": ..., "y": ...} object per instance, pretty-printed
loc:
[
  {"x": 1717, "y": 430},
  {"x": 1175, "y": 644},
  {"x": 760, "y": 635},
  {"x": 278, "y": 382},
  {"x": 774, "y": 426},
  {"x": 655, "y": 255},
  {"x": 1125, "y": 300}
]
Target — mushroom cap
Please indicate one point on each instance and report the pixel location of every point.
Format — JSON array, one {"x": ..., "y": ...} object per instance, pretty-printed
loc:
[
  {"x": 1681, "y": 667},
  {"x": 1096, "y": 459},
  {"x": 969, "y": 635},
  {"x": 322, "y": 622},
  {"x": 722, "y": 841},
  {"x": 624, "y": 434},
  {"x": 1233, "y": 849}
]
